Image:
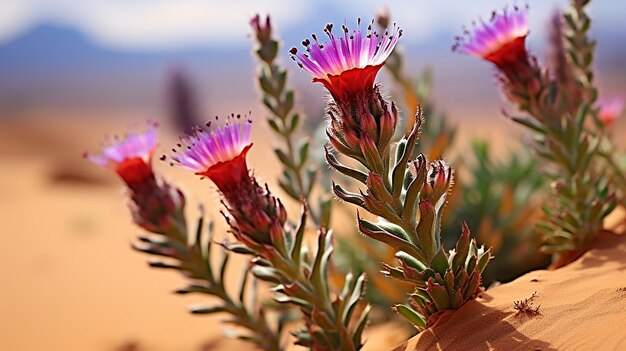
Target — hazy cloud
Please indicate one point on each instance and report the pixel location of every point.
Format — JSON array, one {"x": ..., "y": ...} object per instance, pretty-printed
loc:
[{"x": 164, "y": 23}]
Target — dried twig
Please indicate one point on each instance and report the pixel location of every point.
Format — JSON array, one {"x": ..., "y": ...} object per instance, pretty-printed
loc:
[{"x": 526, "y": 306}]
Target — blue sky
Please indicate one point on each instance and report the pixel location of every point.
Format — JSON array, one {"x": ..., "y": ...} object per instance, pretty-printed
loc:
[{"x": 162, "y": 24}]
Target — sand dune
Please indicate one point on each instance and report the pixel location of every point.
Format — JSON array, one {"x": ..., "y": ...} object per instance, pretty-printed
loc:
[{"x": 581, "y": 307}]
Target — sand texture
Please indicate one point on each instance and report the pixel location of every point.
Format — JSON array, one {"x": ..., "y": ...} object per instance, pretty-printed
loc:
[{"x": 581, "y": 307}]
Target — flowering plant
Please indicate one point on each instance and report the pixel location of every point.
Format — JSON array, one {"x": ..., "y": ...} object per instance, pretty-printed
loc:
[{"x": 399, "y": 185}]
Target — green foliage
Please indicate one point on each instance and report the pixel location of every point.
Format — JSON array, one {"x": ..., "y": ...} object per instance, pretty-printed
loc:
[
  {"x": 408, "y": 196},
  {"x": 194, "y": 260},
  {"x": 299, "y": 174},
  {"x": 568, "y": 142},
  {"x": 498, "y": 201},
  {"x": 332, "y": 322}
]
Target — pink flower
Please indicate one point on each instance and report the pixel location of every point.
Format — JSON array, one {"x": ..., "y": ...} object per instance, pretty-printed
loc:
[
  {"x": 500, "y": 41},
  {"x": 130, "y": 156},
  {"x": 610, "y": 110},
  {"x": 348, "y": 64},
  {"x": 155, "y": 205},
  {"x": 218, "y": 153}
]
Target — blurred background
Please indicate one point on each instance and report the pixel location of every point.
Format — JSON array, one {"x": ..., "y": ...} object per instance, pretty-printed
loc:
[{"x": 74, "y": 71}]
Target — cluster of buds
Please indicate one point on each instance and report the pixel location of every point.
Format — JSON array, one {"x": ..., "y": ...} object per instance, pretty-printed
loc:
[
  {"x": 155, "y": 205},
  {"x": 220, "y": 155},
  {"x": 408, "y": 194}
]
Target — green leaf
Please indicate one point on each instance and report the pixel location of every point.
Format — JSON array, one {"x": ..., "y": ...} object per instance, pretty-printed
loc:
[
  {"x": 425, "y": 229},
  {"x": 320, "y": 266},
  {"x": 397, "y": 175},
  {"x": 326, "y": 205},
  {"x": 360, "y": 326},
  {"x": 350, "y": 172},
  {"x": 393, "y": 229},
  {"x": 266, "y": 84},
  {"x": 410, "y": 261},
  {"x": 296, "y": 251},
  {"x": 292, "y": 300},
  {"x": 288, "y": 104},
  {"x": 207, "y": 309},
  {"x": 267, "y": 274},
  {"x": 272, "y": 123},
  {"x": 288, "y": 187},
  {"x": 347, "y": 196},
  {"x": 281, "y": 80},
  {"x": 282, "y": 156},
  {"x": 377, "y": 233},
  {"x": 529, "y": 124},
  {"x": 353, "y": 299},
  {"x": 413, "y": 316},
  {"x": 295, "y": 121},
  {"x": 462, "y": 249},
  {"x": 191, "y": 289},
  {"x": 164, "y": 265},
  {"x": 483, "y": 260},
  {"x": 304, "y": 153},
  {"x": 411, "y": 200},
  {"x": 440, "y": 262}
]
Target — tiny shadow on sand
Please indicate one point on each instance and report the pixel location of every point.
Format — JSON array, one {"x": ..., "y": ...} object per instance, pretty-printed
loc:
[
  {"x": 604, "y": 251},
  {"x": 464, "y": 330}
]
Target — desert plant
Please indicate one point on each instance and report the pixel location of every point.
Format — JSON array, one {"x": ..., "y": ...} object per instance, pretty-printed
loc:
[
  {"x": 333, "y": 319},
  {"x": 561, "y": 116},
  {"x": 158, "y": 207},
  {"x": 407, "y": 195}
]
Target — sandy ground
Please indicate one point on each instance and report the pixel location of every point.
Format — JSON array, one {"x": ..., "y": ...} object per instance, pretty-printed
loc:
[{"x": 581, "y": 307}]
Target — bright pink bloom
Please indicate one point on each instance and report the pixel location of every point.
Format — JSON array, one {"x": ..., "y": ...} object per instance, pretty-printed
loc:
[
  {"x": 348, "y": 64},
  {"x": 130, "y": 156},
  {"x": 610, "y": 110},
  {"x": 218, "y": 153},
  {"x": 500, "y": 41}
]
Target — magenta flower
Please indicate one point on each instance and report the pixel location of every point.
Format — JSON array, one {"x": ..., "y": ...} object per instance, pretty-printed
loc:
[
  {"x": 500, "y": 41},
  {"x": 219, "y": 153},
  {"x": 130, "y": 156},
  {"x": 610, "y": 110},
  {"x": 155, "y": 205},
  {"x": 348, "y": 64}
]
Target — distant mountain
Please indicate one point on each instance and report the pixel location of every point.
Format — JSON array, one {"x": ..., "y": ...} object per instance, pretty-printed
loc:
[{"x": 53, "y": 65}]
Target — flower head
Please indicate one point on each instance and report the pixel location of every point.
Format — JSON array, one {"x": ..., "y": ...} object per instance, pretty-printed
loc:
[
  {"x": 500, "y": 41},
  {"x": 155, "y": 205},
  {"x": 130, "y": 156},
  {"x": 610, "y": 110},
  {"x": 347, "y": 64},
  {"x": 218, "y": 153}
]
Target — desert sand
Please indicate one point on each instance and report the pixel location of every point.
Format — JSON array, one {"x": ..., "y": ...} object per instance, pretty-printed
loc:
[{"x": 580, "y": 307}]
